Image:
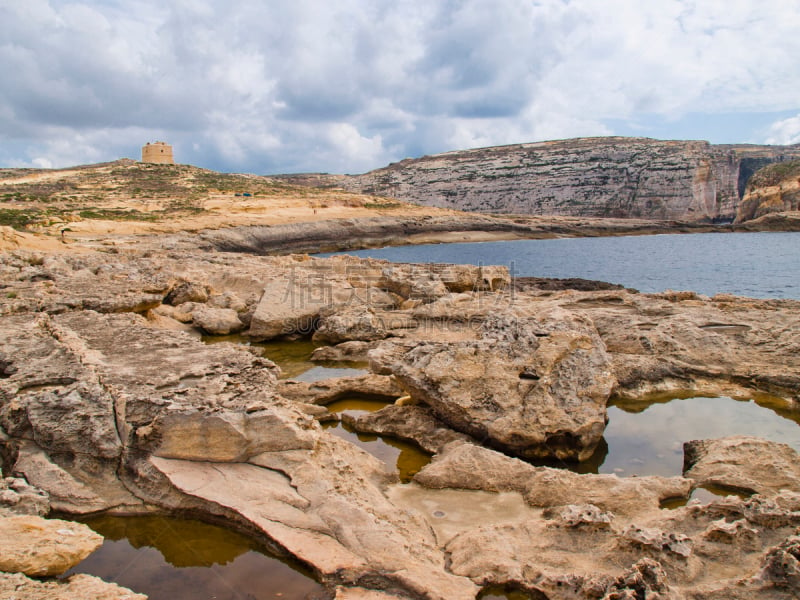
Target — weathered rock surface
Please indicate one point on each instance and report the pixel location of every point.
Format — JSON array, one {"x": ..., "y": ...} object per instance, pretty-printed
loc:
[
  {"x": 534, "y": 386},
  {"x": 20, "y": 587},
  {"x": 413, "y": 423},
  {"x": 301, "y": 503},
  {"x": 467, "y": 466},
  {"x": 682, "y": 341},
  {"x": 353, "y": 351},
  {"x": 217, "y": 321},
  {"x": 128, "y": 412},
  {"x": 330, "y": 390},
  {"x": 743, "y": 463},
  {"x": 353, "y": 324},
  {"x": 601, "y": 177},
  {"x": 18, "y": 497},
  {"x": 43, "y": 547},
  {"x": 773, "y": 189}
]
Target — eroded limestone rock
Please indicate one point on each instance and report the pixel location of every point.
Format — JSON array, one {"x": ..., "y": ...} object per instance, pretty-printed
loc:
[
  {"x": 18, "y": 497},
  {"x": 782, "y": 565},
  {"x": 534, "y": 386},
  {"x": 743, "y": 463},
  {"x": 467, "y": 466},
  {"x": 76, "y": 587},
  {"x": 330, "y": 390},
  {"x": 413, "y": 423},
  {"x": 217, "y": 321},
  {"x": 118, "y": 411},
  {"x": 43, "y": 547},
  {"x": 352, "y": 324}
]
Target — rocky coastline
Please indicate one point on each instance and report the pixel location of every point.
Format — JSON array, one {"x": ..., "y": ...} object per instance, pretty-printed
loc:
[
  {"x": 111, "y": 402},
  {"x": 606, "y": 177},
  {"x": 354, "y": 234}
]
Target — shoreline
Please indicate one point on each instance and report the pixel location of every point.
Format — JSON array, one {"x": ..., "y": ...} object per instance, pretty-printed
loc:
[{"x": 340, "y": 235}]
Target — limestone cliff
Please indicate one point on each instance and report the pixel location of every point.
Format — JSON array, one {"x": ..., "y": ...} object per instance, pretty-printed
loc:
[
  {"x": 775, "y": 188},
  {"x": 589, "y": 177}
]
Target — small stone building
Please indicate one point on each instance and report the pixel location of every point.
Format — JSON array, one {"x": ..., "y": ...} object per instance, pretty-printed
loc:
[{"x": 157, "y": 152}]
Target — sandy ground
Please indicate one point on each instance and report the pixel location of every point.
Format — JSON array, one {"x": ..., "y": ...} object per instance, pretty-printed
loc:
[{"x": 218, "y": 211}]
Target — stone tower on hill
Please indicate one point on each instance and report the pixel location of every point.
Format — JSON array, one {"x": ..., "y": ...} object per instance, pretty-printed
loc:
[{"x": 157, "y": 152}]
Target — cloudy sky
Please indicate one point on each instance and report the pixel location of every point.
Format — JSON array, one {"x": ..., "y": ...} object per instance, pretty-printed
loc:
[{"x": 277, "y": 86}]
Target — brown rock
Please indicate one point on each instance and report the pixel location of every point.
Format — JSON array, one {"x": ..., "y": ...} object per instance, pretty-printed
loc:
[
  {"x": 187, "y": 291},
  {"x": 217, "y": 321},
  {"x": 335, "y": 388},
  {"x": 413, "y": 423},
  {"x": 75, "y": 587},
  {"x": 781, "y": 566},
  {"x": 18, "y": 497},
  {"x": 43, "y": 547},
  {"x": 354, "y": 351},
  {"x": 743, "y": 463},
  {"x": 466, "y": 466},
  {"x": 534, "y": 386},
  {"x": 359, "y": 323}
]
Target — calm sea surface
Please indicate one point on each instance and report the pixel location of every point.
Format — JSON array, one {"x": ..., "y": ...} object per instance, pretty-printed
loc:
[{"x": 759, "y": 265}]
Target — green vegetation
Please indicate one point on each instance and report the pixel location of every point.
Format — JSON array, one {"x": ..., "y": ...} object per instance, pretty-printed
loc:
[
  {"x": 775, "y": 173},
  {"x": 382, "y": 205},
  {"x": 117, "y": 214},
  {"x": 20, "y": 218}
]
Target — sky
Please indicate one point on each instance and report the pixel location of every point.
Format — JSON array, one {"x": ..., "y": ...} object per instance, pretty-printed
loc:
[{"x": 285, "y": 86}]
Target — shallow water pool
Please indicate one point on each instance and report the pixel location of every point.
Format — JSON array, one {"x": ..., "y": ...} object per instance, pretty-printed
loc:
[
  {"x": 647, "y": 437},
  {"x": 169, "y": 558},
  {"x": 406, "y": 457}
]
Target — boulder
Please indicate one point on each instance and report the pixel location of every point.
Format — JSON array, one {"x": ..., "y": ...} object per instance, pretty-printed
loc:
[
  {"x": 187, "y": 291},
  {"x": 533, "y": 386},
  {"x": 43, "y": 547},
  {"x": 355, "y": 323},
  {"x": 217, "y": 321},
  {"x": 744, "y": 463},
  {"x": 292, "y": 303}
]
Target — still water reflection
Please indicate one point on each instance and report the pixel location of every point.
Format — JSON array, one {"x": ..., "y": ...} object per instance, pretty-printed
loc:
[
  {"x": 294, "y": 358},
  {"x": 169, "y": 558},
  {"x": 406, "y": 457},
  {"x": 646, "y": 437}
]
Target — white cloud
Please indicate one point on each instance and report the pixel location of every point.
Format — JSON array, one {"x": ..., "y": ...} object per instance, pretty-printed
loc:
[
  {"x": 347, "y": 86},
  {"x": 786, "y": 131}
]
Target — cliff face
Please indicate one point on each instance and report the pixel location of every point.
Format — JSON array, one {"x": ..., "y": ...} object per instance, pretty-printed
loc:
[
  {"x": 775, "y": 188},
  {"x": 597, "y": 177}
]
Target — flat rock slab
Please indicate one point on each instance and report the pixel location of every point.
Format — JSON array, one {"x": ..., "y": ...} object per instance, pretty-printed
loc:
[
  {"x": 743, "y": 463},
  {"x": 470, "y": 467},
  {"x": 44, "y": 547},
  {"x": 451, "y": 512}
]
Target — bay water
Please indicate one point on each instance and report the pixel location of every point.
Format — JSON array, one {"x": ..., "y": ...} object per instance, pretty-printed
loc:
[{"x": 758, "y": 265}]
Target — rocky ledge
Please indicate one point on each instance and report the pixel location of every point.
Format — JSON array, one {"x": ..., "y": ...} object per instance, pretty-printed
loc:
[{"x": 110, "y": 401}]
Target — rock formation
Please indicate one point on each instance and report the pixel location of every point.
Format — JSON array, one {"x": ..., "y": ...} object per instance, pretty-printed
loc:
[
  {"x": 110, "y": 401},
  {"x": 43, "y": 547},
  {"x": 590, "y": 177},
  {"x": 773, "y": 189}
]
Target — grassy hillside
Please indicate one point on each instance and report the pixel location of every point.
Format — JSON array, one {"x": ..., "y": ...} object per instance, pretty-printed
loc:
[{"x": 127, "y": 190}]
